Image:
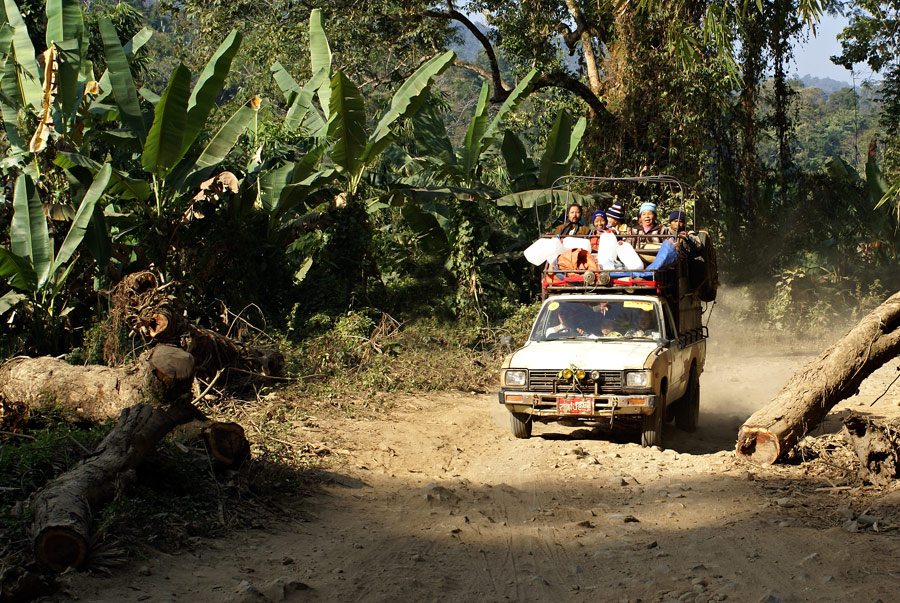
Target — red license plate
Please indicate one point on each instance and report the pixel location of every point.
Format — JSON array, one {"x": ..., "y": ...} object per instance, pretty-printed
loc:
[{"x": 575, "y": 406}]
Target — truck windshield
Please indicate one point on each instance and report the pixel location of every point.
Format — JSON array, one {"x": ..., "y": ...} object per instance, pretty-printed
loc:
[{"x": 595, "y": 319}]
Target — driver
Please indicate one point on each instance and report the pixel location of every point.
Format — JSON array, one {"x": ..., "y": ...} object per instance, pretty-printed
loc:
[{"x": 571, "y": 320}]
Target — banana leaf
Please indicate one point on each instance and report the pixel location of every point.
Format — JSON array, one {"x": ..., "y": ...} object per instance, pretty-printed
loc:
[
  {"x": 28, "y": 233},
  {"x": 320, "y": 56},
  {"x": 28, "y": 76},
  {"x": 300, "y": 107},
  {"x": 346, "y": 126},
  {"x": 207, "y": 88},
  {"x": 221, "y": 143},
  {"x": 431, "y": 135},
  {"x": 130, "y": 49},
  {"x": 79, "y": 225},
  {"x": 519, "y": 93},
  {"x": 561, "y": 146},
  {"x": 472, "y": 144},
  {"x": 121, "y": 81},
  {"x": 286, "y": 83},
  {"x": 537, "y": 198},
  {"x": 521, "y": 169},
  {"x": 10, "y": 299},
  {"x": 18, "y": 272},
  {"x": 163, "y": 148},
  {"x": 407, "y": 100}
]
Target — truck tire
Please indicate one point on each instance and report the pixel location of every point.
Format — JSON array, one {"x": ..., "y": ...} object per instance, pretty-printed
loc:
[
  {"x": 687, "y": 414},
  {"x": 652, "y": 426},
  {"x": 520, "y": 424}
]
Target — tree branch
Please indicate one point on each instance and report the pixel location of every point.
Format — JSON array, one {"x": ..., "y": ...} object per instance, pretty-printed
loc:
[
  {"x": 577, "y": 87},
  {"x": 474, "y": 68},
  {"x": 501, "y": 89}
]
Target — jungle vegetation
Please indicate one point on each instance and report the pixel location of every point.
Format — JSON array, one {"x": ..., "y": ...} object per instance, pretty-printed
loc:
[{"x": 317, "y": 162}]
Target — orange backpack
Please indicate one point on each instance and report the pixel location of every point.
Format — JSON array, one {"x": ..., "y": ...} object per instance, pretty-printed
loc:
[{"x": 576, "y": 259}]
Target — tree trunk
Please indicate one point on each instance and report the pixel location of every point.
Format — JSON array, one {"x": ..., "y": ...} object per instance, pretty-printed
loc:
[
  {"x": 62, "y": 509},
  {"x": 96, "y": 393},
  {"x": 89, "y": 392},
  {"x": 814, "y": 390}
]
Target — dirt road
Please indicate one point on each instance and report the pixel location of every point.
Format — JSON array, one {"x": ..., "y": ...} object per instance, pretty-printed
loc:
[{"x": 439, "y": 502}]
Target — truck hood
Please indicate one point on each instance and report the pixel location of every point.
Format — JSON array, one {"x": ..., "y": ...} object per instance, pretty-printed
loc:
[{"x": 601, "y": 355}]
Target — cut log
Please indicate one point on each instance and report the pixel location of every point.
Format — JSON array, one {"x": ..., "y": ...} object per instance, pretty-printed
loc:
[
  {"x": 62, "y": 509},
  {"x": 92, "y": 392},
  {"x": 876, "y": 446},
  {"x": 87, "y": 392},
  {"x": 814, "y": 390},
  {"x": 226, "y": 442}
]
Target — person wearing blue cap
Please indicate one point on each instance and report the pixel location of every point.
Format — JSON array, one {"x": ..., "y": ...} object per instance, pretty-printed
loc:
[
  {"x": 598, "y": 227},
  {"x": 649, "y": 230}
]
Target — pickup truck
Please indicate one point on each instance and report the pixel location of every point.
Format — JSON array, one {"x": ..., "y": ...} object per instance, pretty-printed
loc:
[{"x": 616, "y": 348}]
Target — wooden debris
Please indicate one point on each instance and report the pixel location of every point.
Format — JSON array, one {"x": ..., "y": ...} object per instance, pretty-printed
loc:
[
  {"x": 876, "y": 445},
  {"x": 62, "y": 509}
]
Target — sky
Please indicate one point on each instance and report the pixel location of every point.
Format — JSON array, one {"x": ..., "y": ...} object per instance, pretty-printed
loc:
[{"x": 811, "y": 58}]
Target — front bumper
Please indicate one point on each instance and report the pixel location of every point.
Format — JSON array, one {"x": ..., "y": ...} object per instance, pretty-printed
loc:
[{"x": 589, "y": 405}]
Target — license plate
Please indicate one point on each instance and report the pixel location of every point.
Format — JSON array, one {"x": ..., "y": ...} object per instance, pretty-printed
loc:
[{"x": 575, "y": 406}]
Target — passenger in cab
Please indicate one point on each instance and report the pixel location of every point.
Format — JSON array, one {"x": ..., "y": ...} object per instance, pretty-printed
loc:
[
  {"x": 645, "y": 326},
  {"x": 572, "y": 225},
  {"x": 615, "y": 219},
  {"x": 653, "y": 233}
]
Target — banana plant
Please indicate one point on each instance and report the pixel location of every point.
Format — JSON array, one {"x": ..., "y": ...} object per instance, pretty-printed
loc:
[
  {"x": 35, "y": 273},
  {"x": 342, "y": 151}
]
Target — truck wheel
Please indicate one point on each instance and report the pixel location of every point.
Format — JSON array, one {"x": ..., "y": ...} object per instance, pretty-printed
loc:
[
  {"x": 652, "y": 426},
  {"x": 687, "y": 415},
  {"x": 520, "y": 424}
]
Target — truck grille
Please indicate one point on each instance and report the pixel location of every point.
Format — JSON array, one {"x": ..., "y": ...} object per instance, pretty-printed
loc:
[{"x": 543, "y": 381}]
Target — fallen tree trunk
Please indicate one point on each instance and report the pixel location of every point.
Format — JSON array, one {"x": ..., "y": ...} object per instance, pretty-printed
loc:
[
  {"x": 814, "y": 390},
  {"x": 97, "y": 393},
  {"x": 88, "y": 392},
  {"x": 62, "y": 509}
]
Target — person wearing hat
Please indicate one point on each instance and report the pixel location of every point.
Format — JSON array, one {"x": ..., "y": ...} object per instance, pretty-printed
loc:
[
  {"x": 572, "y": 225},
  {"x": 651, "y": 232},
  {"x": 598, "y": 227},
  {"x": 615, "y": 219},
  {"x": 676, "y": 221}
]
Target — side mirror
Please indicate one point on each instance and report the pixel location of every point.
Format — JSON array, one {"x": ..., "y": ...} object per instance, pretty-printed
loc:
[{"x": 507, "y": 341}]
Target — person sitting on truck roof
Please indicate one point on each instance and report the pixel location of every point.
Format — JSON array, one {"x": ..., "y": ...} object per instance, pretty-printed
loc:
[
  {"x": 651, "y": 232},
  {"x": 598, "y": 227},
  {"x": 615, "y": 219},
  {"x": 572, "y": 225},
  {"x": 676, "y": 221}
]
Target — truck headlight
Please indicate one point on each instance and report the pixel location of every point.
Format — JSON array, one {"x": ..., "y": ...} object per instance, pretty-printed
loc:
[
  {"x": 637, "y": 379},
  {"x": 515, "y": 377}
]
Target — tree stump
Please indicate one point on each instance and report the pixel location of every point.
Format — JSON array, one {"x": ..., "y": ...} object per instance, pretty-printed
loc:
[{"x": 814, "y": 390}]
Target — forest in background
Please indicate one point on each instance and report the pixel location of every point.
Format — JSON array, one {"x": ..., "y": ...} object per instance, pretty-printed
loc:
[{"x": 316, "y": 171}]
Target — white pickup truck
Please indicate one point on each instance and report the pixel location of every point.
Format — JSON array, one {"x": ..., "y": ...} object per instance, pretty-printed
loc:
[{"x": 626, "y": 350}]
